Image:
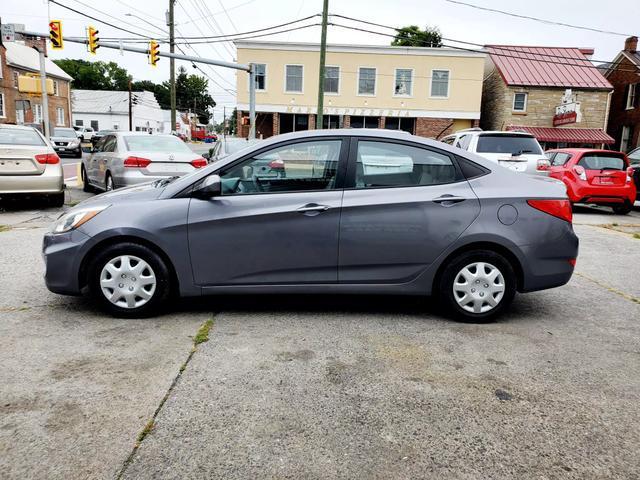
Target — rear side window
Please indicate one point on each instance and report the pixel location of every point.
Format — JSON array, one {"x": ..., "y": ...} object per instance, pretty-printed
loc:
[
  {"x": 382, "y": 164},
  {"x": 471, "y": 169},
  {"x": 19, "y": 136},
  {"x": 560, "y": 159},
  {"x": 512, "y": 144},
  {"x": 602, "y": 161}
]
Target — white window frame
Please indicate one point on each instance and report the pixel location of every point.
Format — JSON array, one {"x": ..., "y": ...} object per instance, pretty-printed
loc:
[
  {"x": 440, "y": 97},
  {"x": 339, "y": 80},
  {"x": 631, "y": 96},
  {"x": 3, "y": 113},
  {"x": 37, "y": 117},
  {"x": 375, "y": 82},
  {"x": 59, "y": 117},
  {"x": 294, "y": 92},
  {"x": 395, "y": 79},
  {"x": 266, "y": 76},
  {"x": 513, "y": 104}
]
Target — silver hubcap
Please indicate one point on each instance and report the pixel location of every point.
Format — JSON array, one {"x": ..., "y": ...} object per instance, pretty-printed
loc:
[
  {"x": 109, "y": 184},
  {"x": 127, "y": 281},
  {"x": 478, "y": 287}
]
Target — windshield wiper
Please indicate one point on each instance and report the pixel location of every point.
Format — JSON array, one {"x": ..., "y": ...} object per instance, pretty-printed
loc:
[
  {"x": 520, "y": 152},
  {"x": 163, "y": 182},
  {"x": 609, "y": 168}
]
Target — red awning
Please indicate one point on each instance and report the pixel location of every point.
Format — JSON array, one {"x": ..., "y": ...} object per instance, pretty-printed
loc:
[{"x": 566, "y": 135}]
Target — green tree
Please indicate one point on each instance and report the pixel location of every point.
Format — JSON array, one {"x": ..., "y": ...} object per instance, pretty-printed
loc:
[
  {"x": 191, "y": 93},
  {"x": 233, "y": 122},
  {"x": 413, "y": 36},
  {"x": 161, "y": 91},
  {"x": 95, "y": 75}
]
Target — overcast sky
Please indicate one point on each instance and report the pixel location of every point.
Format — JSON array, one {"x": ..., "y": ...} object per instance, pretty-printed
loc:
[{"x": 454, "y": 21}]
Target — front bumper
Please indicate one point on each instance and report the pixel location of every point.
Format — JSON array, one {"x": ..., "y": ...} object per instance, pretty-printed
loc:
[
  {"x": 49, "y": 181},
  {"x": 67, "y": 149},
  {"x": 62, "y": 254}
]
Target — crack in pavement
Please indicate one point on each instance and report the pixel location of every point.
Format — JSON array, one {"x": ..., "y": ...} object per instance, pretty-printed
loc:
[{"x": 609, "y": 288}]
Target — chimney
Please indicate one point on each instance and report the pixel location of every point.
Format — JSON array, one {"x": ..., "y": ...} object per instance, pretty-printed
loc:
[{"x": 631, "y": 44}]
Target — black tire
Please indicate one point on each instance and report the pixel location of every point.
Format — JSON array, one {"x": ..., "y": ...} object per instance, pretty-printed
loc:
[
  {"x": 108, "y": 178},
  {"x": 56, "y": 200},
  {"x": 86, "y": 187},
  {"x": 160, "y": 269},
  {"x": 453, "y": 268},
  {"x": 623, "y": 209},
  {"x": 79, "y": 153}
]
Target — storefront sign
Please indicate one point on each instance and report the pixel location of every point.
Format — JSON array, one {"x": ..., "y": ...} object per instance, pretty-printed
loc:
[{"x": 567, "y": 113}]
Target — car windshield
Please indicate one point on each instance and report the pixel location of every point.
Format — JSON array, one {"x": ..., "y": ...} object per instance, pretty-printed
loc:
[
  {"x": 20, "y": 136},
  {"x": 513, "y": 144},
  {"x": 155, "y": 143},
  {"x": 602, "y": 161},
  {"x": 104, "y": 132},
  {"x": 64, "y": 132}
]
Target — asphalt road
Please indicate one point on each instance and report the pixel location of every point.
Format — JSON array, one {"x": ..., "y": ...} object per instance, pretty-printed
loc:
[{"x": 323, "y": 387}]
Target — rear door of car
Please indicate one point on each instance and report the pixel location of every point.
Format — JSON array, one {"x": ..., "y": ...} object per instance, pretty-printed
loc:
[
  {"x": 404, "y": 204},
  {"x": 559, "y": 164}
]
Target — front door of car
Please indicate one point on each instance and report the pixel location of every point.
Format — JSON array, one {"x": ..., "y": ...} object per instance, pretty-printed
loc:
[
  {"x": 277, "y": 219},
  {"x": 406, "y": 205}
]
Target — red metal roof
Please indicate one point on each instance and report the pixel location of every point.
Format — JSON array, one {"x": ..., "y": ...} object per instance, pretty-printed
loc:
[
  {"x": 546, "y": 67},
  {"x": 568, "y": 135}
]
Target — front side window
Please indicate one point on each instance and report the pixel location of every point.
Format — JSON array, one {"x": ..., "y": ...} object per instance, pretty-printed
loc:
[
  {"x": 440, "y": 83},
  {"x": 560, "y": 159},
  {"x": 381, "y": 164},
  {"x": 109, "y": 144},
  {"x": 403, "y": 85},
  {"x": 304, "y": 166},
  {"x": 331, "y": 79},
  {"x": 294, "y": 78},
  {"x": 261, "y": 76},
  {"x": 519, "y": 102},
  {"x": 367, "y": 81},
  {"x": 632, "y": 92}
]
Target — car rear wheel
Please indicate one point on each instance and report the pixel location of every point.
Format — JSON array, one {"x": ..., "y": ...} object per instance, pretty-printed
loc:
[
  {"x": 623, "y": 209},
  {"x": 86, "y": 187},
  {"x": 129, "y": 280},
  {"x": 108, "y": 183},
  {"x": 477, "y": 286}
]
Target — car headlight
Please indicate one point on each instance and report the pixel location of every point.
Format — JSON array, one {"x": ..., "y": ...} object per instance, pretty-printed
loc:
[
  {"x": 75, "y": 142},
  {"x": 72, "y": 220}
]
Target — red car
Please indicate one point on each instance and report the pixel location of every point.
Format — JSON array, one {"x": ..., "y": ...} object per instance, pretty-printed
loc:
[{"x": 601, "y": 177}]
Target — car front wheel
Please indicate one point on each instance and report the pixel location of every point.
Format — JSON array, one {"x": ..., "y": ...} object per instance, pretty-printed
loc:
[
  {"x": 129, "y": 280},
  {"x": 477, "y": 286}
]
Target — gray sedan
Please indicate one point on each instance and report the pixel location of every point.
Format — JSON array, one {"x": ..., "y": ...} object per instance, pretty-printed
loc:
[
  {"x": 332, "y": 211},
  {"x": 122, "y": 159}
]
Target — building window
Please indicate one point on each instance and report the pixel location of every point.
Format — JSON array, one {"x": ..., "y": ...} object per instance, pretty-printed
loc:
[
  {"x": 331, "y": 121},
  {"x": 404, "y": 83},
  {"x": 16, "y": 76},
  {"x": 405, "y": 124},
  {"x": 60, "y": 116},
  {"x": 625, "y": 139},
  {"x": 519, "y": 102},
  {"x": 364, "y": 122},
  {"x": 94, "y": 125},
  {"x": 56, "y": 89},
  {"x": 79, "y": 123},
  {"x": 293, "y": 81},
  {"x": 366, "y": 81},
  {"x": 631, "y": 95},
  {"x": 331, "y": 79},
  {"x": 440, "y": 83},
  {"x": 37, "y": 113},
  {"x": 2, "y": 114},
  {"x": 261, "y": 76}
]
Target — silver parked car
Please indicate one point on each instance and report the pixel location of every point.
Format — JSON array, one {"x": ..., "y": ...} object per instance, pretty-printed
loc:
[
  {"x": 29, "y": 164},
  {"x": 122, "y": 159},
  {"x": 66, "y": 141},
  {"x": 327, "y": 211}
]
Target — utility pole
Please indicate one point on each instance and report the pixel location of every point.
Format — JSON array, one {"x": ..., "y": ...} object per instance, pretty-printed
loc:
[
  {"x": 43, "y": 87},
  {"x": 130, "y": 108},
  {"x": 172, "y": 64},
  {"x": 252, "y": 101},
  {"x": 323, "y": 52}
]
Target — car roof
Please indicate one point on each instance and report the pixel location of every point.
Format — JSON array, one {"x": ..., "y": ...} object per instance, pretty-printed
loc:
[
  {"x": 16, "y": 127},
  {"x": 581, "y": 150},
  {"x": 506, "y": 133}
]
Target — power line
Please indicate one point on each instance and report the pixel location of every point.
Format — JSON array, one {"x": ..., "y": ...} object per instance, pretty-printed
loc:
[
  {"x": 106, "y": 14},
  {"x": 542, "y": 20},
  {"x": 219, "y": 12},
  {"x": 228, "y": 16}
]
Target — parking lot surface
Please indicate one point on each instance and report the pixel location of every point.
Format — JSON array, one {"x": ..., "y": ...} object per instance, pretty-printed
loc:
[{"x": 323, "y": 387}]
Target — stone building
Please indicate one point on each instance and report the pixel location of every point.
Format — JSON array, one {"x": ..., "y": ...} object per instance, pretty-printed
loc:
[
  {"x": 624, "y": 114},
  {"x": 556, "y": 94}
]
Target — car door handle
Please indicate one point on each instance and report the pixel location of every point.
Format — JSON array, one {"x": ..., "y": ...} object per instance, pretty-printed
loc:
[
  {"x": 313, "y": 207},
  {"x": 448, "y": 200}
]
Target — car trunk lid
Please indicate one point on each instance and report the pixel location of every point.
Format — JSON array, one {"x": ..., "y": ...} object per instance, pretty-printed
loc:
[
  {"x": 606, "y": 169},
  {"x": 20, "y": 160}
]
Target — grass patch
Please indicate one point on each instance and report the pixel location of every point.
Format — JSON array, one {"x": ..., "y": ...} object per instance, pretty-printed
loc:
[
  {"x": 636, "y": 235},
  {"x": 145, "y": 431},
  {"x": 202, "y": 334},
  {"x": 4, "y": 228}
]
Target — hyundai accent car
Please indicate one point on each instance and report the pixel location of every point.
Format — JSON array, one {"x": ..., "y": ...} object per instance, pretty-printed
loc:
[
  {"x": 353, "y": 211},
  {"x": 600, "y": 177}
]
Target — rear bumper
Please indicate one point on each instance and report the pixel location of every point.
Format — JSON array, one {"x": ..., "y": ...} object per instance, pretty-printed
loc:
[
  {"x": 49, "y": 181},
  {"x": 602, "y": 195},
  {"x": 62, "y": 254}
]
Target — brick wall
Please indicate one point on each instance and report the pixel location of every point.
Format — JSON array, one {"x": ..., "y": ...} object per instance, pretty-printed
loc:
[
  {"x": 243, "y": 130},
  {"x": 434, "y": 127},
  {"x": 497, "y": 106},
  {"x": 619, "y": 116}
]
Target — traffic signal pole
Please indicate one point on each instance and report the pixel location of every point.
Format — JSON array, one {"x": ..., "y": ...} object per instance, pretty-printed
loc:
[
  {"x": 172, "y": 66},
  {"x": 43, "y": 87},
  {"x": 188, "y": 58}
]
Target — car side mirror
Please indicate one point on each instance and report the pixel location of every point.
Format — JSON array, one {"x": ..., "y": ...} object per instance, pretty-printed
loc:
[{"x": 211, "y": 187}]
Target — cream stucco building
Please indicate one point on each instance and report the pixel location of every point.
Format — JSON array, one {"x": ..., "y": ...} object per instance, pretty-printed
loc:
[{"x": 426, "y": 91}]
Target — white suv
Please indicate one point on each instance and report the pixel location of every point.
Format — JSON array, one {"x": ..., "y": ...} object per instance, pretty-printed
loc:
[
  {"x": 518, "y": 151},
  {"x": 85, "y": 133}
]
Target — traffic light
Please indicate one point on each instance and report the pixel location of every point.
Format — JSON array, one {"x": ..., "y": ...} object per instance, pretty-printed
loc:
[
  {"x": 93, "y": 42},
  {"x": 55, "y": 34},
  {"x": 154, "y": 51}
]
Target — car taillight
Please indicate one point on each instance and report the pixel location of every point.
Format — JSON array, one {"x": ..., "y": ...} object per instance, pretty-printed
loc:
[
  {"x": 557, "y": 208},
  {"x": 136, "y": 162},
  {"x": 580, "y": 171},
  {"x": 543, "y": 165},
  {"x": 199, "y": 163},
  {"x": 48, "y": 158},
  {"x": 630, "y": 174}
]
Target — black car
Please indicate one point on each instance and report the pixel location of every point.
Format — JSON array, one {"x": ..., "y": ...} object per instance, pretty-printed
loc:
[
  {"x": 634, "y": 162},
  {"x": 98, "y": 135}
]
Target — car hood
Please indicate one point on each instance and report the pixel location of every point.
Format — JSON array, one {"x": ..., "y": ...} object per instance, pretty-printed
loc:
[{"x": 141, "y": 192}]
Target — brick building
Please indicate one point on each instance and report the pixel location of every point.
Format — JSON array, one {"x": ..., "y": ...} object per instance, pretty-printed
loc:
[
  {"x": 624, "y": 114},
  {"x": 20, "y": 59},
  {"x": 426, "y": 91},
  {"x": 556, "y": 94}
]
